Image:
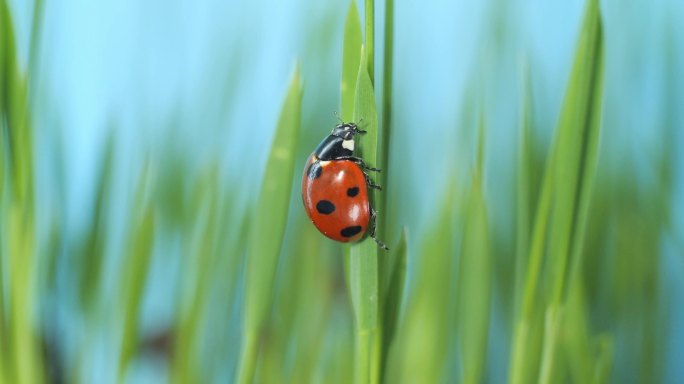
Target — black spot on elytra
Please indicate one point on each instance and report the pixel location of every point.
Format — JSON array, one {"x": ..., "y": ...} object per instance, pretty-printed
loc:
[
  {"x": 353, "y": 191},
  {"x": 315, "y": 170},
  {"x": 350, "y": 231},
  {"x": 325, "y": 207}
]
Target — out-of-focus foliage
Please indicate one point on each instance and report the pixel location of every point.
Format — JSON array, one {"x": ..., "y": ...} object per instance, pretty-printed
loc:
[{"x": 543, "y": 248}]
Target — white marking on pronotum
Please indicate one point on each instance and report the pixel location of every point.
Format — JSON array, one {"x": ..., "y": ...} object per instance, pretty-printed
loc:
[{"x": 348, "y": 144}]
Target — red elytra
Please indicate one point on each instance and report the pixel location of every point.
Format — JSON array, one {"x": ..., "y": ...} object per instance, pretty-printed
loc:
[
  {"x": 335, "y": 188},
  {"x": 337, "y": 199}
]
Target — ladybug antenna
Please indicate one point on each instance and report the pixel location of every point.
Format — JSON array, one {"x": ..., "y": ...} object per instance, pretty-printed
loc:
[
  {"x": 359, "y": 131},
  {"x": 338, "y": 117}
]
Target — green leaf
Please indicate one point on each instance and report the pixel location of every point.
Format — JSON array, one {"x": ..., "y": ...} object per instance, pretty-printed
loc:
[
  {"x": 364, "y": 273},
  {"x": 370, "y": 38},
  {"x": 134, "y": 276},
  {"x": 268, "y": 227},
  {"x": 475, "y": 277},
  {"x": 207, "y": 238},
  {"x": 20, "y": 360},
  {"x": 351, "y": 56},
  {"x": 565, "y": 192},
  {"x": 523, "y": 190},
  {"x": 421, "y": 349},
  {"x": 15, "y": 110},
  {"x": 23, "y": 343},
  {"x": 386, "y": 117},
  {"x": 578, "y": 133},
  {"x": 394, "y": 286},
  {"x": 577, "y": 156},
  {"x": 92, "y": 254},
  {"x": 523, "y": 329},
  {"x": 604, "y": 361}
]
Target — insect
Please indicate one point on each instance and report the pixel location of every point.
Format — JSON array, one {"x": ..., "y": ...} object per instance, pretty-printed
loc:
[{"x": 335, "y": 188}]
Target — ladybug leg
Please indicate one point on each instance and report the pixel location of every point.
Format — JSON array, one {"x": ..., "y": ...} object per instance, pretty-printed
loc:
[
  {"x": 371, "y": 233},
  {"x": 359, "y": 161},
  {"x": 367, "y": 168},
  {"x": 370, "y": 183}
]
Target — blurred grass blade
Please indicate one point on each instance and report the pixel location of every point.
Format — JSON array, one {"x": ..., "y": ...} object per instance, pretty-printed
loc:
[
  {"x": 205, "y": 236},
  {"x": 21, "y": 361},
  {"x": 134, "y": 276},
  {"x": 604, "y": 361},
  {"x": 572, "y": 155},
  {"x": 522, "y": 331},
  {"x": 301, "y": 310},
  {"x": 268, "y": 227},
  {"x": 6, "y": 41},
  {"x": 475, "y": 277},
  {"x": 15, "y": 111},
  {"x": 26, "y": 368},
  {"x": 475, "y": 289},
  {"x": 364, "y": 273},
  {"x": 578, "y": 135},
  {"x": 576, "y": 338},
  {"x": 528, "y": 255},
  {"x": 92, "y": 255},
  {"x": 135, "y": 280},
  {"x": 523, "y": 192},
  {"x": 351, "y": 56},
  {"x": 421, "y": 351},
  {"x": 394, "y": 286}
]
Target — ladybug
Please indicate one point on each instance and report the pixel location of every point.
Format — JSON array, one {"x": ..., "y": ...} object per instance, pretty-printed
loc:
[{"x": 335, "y": 188}]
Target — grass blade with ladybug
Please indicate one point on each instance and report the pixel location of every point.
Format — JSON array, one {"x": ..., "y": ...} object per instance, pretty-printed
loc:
[{"x": 335, "y": 188}]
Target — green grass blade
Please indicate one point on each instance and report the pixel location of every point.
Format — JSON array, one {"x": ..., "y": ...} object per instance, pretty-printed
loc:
[
  {"x": 475, "y": 289},
  {"x": 523, "y": 192},
  {"x": 4, "y": 355},
  {"x": 394, "y": 287},
  {"x": 21, "y": 361},
  {"x": 572, "y": 151},
  {"x": 475, "y": 277},
  {"x": 6, "y": 34},
  {"x": 93, "y": 253},
  {"x": 574, "y": 284},
  {"x": 302, "y": 308},
  {"x": 34, "y": 47},
  {"x": 15, "y": 112},
  {"x": 134, "y": 277},
  {"x": 386, "y": 121},
  {"x": 578, "y": 134},
  {"x": 576, "y": 337},
  {"x": 206, "y": 236},
  {"x": 26, "y": 368},
  {"x": 421, "y": 349},
  {"x": 351, "y": 56},
  {"x": 370, "y": 38},
  {"x": 268, "y": 227},
  {"x": 522, "y": 331},
  {"x": 364, "y": 272},
  {"x": 604, "y": 362}
]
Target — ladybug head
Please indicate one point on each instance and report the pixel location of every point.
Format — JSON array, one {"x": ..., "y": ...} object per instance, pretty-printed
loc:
[
  {"x": 340, "y": 142},
  {"x": 347, "y": 131}
]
